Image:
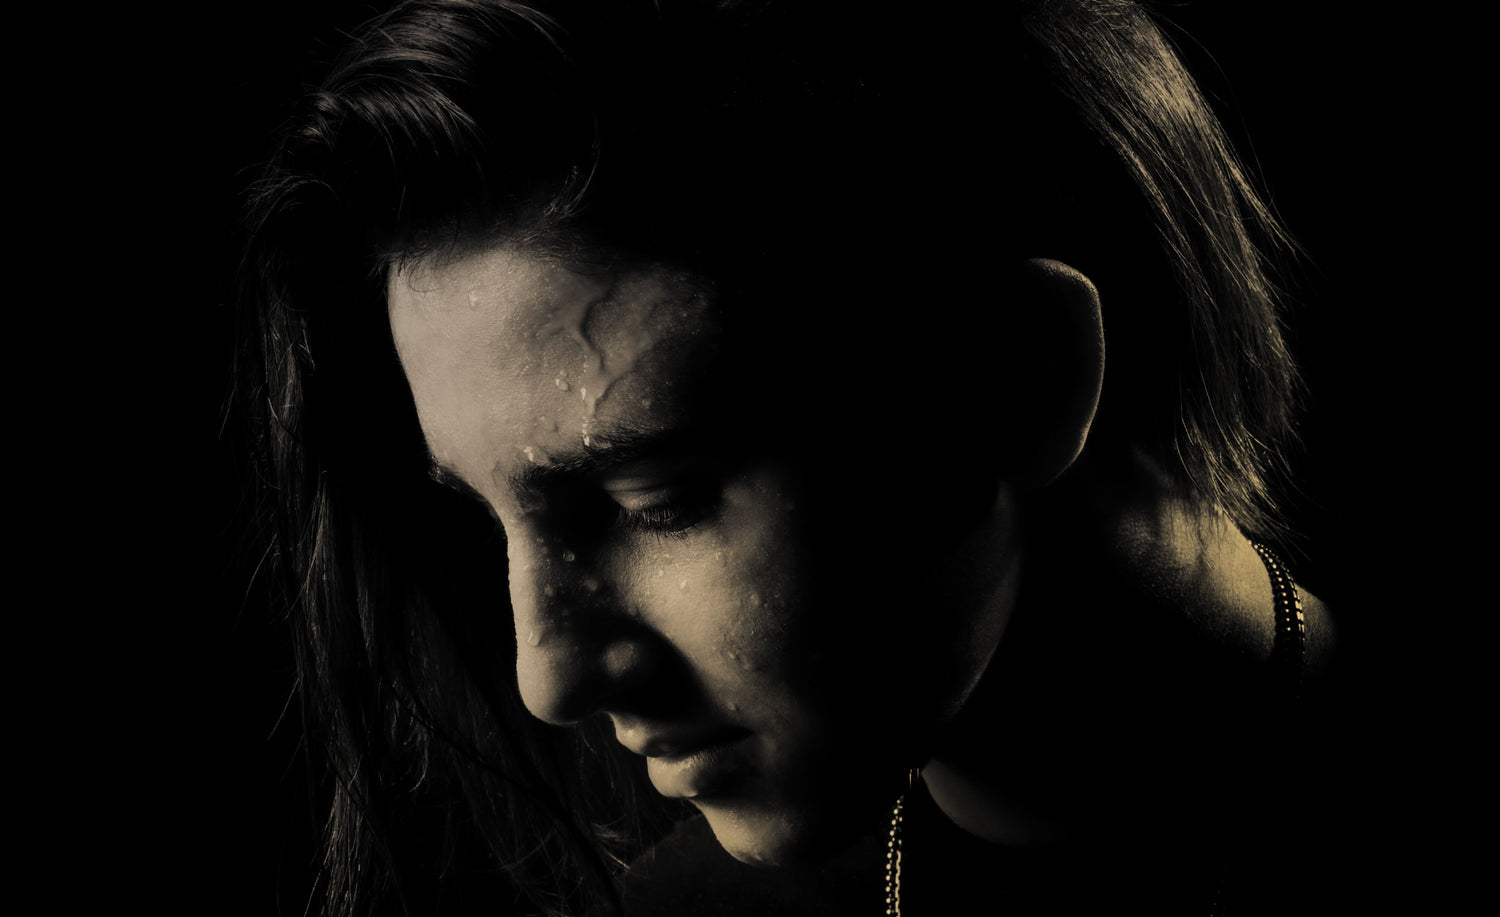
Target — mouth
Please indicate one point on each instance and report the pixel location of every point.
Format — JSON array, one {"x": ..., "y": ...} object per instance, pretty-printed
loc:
[{"x": 691, "y": 765}]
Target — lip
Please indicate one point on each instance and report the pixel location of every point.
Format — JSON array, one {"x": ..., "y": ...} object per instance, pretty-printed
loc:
[{"x": 686, "y": 764}]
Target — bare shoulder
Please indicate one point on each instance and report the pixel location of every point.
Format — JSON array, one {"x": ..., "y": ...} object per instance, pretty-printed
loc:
[
  {"x": 1201, "y": 570},
  {"x": 1322, "y": 639}
]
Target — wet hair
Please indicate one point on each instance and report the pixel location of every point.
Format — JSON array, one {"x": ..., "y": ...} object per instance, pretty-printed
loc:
[{"x": 773, "y": 147}]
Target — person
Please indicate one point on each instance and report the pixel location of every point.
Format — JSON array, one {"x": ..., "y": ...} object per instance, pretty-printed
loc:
[{"x": 780, "y": 458}]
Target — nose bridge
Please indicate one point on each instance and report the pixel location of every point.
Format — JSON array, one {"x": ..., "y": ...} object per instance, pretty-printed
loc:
[
  {"x": 575, "y": 649},
  {"x": 539, "y": 570}
]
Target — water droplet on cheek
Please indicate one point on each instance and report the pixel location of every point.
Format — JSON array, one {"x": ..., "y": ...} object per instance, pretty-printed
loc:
[{"x": 743, "y": 660}]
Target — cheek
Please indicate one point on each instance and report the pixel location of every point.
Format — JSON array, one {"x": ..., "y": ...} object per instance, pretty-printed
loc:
[
  {"x": 727, "y": 609},
  {"x": 729, "y": 598}
]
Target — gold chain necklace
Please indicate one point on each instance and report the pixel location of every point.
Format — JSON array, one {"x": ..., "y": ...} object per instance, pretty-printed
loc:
[
  {"x": 893, "y": 862},
  {"x": 893, "y": 852}
]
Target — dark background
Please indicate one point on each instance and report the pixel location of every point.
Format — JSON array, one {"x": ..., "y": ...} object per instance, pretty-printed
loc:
[{"x": 1359, "y": 127}]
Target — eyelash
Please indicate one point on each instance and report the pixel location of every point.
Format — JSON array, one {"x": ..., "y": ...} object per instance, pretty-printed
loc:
[{"x": 674, "y": 517}]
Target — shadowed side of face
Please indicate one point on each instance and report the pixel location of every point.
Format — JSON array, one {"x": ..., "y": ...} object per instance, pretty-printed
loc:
[{"x": 678, "y": 561}]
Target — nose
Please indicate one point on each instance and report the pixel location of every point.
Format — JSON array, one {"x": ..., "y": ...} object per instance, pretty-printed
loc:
[{"x": 577, "y": 650}]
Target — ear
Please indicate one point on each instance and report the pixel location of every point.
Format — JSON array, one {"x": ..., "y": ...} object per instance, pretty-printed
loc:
[{"x": 1055, "y": 334}]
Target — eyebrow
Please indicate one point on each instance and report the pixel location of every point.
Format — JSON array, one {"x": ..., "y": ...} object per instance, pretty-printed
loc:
[{"x": 612, "y": 449}]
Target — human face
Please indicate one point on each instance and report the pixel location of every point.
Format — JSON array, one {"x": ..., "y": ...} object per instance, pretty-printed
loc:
[{"x": 777, "y": 640}]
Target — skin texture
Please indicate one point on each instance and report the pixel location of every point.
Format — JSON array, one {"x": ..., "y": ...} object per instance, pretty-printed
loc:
[
  {"x": 783, "y": 625},
  {"x": 772, "y": 632}
]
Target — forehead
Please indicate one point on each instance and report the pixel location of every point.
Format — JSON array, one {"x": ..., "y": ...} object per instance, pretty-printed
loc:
[{"x": 514, "y": 356}]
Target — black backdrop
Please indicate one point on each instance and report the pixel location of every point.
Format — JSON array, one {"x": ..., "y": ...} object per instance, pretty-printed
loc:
[{"x": 1353, "y": 123}]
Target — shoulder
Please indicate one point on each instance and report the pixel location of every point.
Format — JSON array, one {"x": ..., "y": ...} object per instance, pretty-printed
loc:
[
  {"x": 1181, "y": 564},
  {"x": 1225, "y": 585}
]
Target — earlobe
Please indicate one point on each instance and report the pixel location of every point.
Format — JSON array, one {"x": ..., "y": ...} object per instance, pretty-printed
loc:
[{"x": 1058, "y": 329}]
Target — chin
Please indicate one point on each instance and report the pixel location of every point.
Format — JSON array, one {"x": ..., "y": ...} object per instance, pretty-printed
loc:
[
  {"x": 761, "y": 840},
  {"x": 773, "y": 838}
]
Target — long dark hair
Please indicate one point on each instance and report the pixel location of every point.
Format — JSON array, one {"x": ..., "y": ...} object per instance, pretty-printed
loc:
[{"x": 727, "y": 135}]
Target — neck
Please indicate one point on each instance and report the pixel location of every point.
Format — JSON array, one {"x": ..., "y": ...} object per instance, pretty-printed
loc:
[{"x": 1141, "y": 615}]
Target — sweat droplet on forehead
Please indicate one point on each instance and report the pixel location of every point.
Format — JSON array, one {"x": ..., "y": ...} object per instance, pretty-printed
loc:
[
  {"x": 610, "y": 329},
  {"x": 514, "y": 360}
]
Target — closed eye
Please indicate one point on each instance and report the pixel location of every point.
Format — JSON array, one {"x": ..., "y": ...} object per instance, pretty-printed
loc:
[
  {"x": 664, "y": 495},
  {"x": 673, "y": 509}
]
